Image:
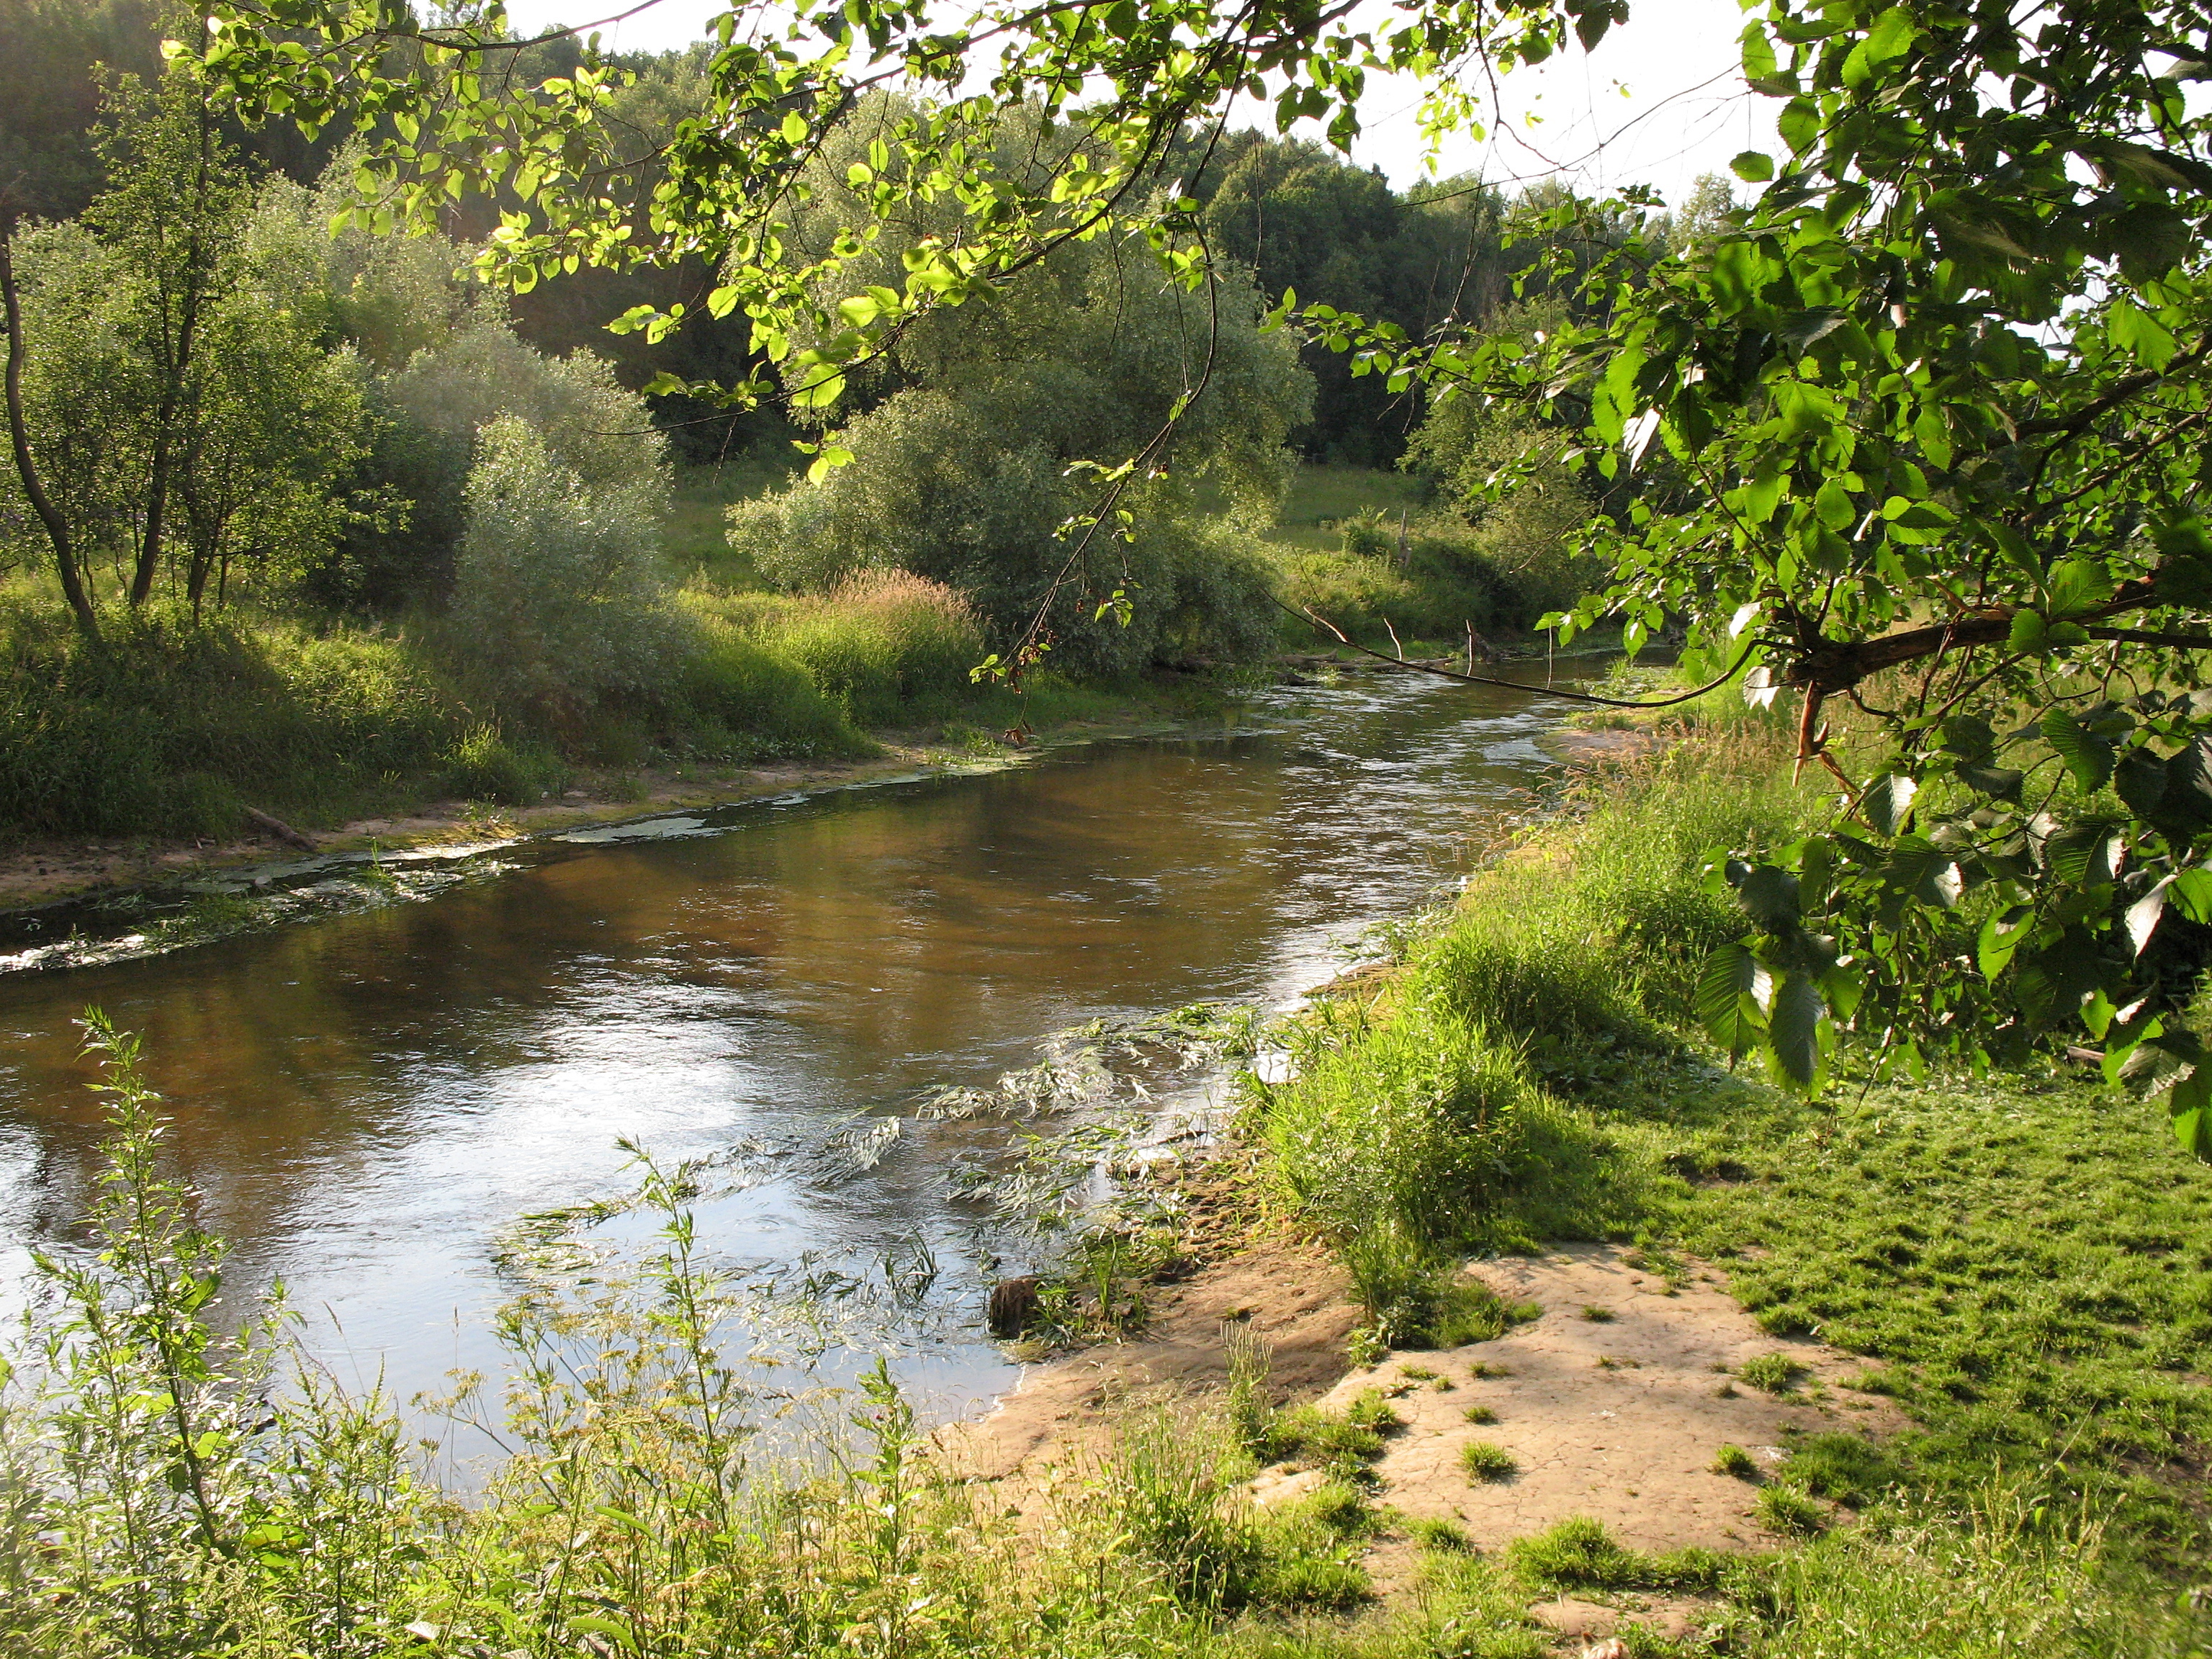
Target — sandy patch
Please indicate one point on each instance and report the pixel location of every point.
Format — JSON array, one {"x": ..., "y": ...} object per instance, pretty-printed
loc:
[
  {"x": 1617, "y": 1418},
  {"x": 1292, "y": 1294}
]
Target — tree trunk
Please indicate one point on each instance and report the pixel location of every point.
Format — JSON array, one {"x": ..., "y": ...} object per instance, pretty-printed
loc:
[
  {"x": 173, "y": 395},
  {"x": 80, "y": 603}
]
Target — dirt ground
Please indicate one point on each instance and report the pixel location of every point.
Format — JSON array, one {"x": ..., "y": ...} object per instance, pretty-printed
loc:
[{"x": 1616, "y": 1417}]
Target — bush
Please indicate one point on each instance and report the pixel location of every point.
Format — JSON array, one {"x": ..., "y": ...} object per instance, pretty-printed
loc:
[{"x": 556, "y": 603}]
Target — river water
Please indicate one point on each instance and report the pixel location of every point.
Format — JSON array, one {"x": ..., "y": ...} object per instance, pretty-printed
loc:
[{"x": 367, "y": 1100}]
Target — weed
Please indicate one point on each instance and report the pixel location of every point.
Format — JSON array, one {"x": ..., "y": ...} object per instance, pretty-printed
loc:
[
  {"x": 1597, "y": 1315},
  {"x": 1251, "y": 1420},
  {"x": 1418, "y": 1373},
  {"x": 1484, "y": 1459},
  {"x": 1736, "y": 1460},
  {"x": 1791, "y": 1511},
  {"x": 1771, "y": 1373},
  {"x": 1479, "y": 1414}
]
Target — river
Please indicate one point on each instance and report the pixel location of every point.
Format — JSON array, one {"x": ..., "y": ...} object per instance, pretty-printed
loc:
[{"x": 367, "y": 1100}]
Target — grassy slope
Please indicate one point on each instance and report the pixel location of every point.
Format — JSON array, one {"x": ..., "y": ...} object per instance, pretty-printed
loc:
[{"x": 2025, "y": 1261}]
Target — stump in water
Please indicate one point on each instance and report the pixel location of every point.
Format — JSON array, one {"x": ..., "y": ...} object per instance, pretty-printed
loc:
[{"x": 1014, "y": 1305}]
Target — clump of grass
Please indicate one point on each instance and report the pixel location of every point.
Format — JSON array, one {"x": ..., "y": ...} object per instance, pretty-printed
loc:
[
  {"x": 886, "y": 645},
  {"x": 1479, "y": 1414},
  {"x": 1771, "y": 1373},
  {"x": 1486, "y": 1461},
  {"x": 1434, "y": 1533},
  {"x": 1371, "y": 1412},
  {"x": 1847, "y": 1467},
  {"x": 1792, "y": 1511},
  {"x": 1736, "y": 1460},
  {"x": 1578, "y": 1553},
  {"x": 1597, "y": 1315},
  {"x": 1418, "y": 1373}
]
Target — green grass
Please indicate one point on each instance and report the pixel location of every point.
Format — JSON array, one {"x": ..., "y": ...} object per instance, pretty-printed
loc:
[
  {"x": 1486, "y": 1461},
  {"x": 1322, "y": 497},
  {"x": 2020, "y": 1258},
  {"x": 1732, "y": 1460},
  {"x": 695, "y": 538},
  {"x": 1771, "y": 1373}
]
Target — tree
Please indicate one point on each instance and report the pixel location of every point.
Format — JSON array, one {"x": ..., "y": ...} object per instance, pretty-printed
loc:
[
  {"x": 966, "y": 454},
  {"x": 1937, "y": 399},
  {"x": 171, "y": 221},
  {"x": 554, "y": 591}
]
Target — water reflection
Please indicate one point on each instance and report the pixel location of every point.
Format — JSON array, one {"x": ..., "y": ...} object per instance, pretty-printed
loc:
[{"x": 366, "y": 1099}]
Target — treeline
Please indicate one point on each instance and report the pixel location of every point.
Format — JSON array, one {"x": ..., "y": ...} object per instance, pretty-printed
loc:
[{"x": 317, "y": 520}]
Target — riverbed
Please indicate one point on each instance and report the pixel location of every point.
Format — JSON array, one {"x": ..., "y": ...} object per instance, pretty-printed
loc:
[{"x": 369, "y": 1099}]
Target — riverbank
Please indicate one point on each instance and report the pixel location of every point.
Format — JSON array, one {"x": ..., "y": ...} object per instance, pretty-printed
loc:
[
  {"x": 1914, "y": 1369},
  {"x": 1912, "y": 1372},
  {"x": 42, "y": 870}
]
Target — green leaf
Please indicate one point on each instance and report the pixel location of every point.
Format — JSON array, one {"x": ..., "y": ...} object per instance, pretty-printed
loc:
[
  {"x": 1754, "y": 166},
  {"x": 1728, "y": 996},
  {"x": 2087, "y": 855},
  {"x": 1769, "y": 894},
  {"x": 2190, "y": 1109},
  {"x": 1887, "y": 803},
  {"x": 1794, "y": 1031},
  {"x": 2088, "y": 756},
  {"x": 2190, "y": 891},
  {"x": 2139, "y": 779}
]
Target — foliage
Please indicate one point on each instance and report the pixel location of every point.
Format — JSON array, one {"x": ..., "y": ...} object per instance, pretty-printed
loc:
[
  {"x": 170, "y": 727},
  {"x": 966, "y": 461},
  {"x": 556, "y": 590}
]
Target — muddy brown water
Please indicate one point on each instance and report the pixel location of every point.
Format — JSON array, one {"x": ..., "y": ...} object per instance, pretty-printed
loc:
[{"x": 367, "y": 1100}]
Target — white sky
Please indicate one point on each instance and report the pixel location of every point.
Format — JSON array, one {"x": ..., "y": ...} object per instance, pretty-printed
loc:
[{"x": 1660, "y": 100}]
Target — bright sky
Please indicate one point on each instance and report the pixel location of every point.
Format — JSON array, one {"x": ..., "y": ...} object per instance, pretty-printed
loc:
[{"x": 1660, "y": 100}]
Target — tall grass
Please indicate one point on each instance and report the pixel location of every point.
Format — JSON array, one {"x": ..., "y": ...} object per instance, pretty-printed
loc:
[
  {"x": 885, "y": 645},
  {"x": 171, "y": 727}
]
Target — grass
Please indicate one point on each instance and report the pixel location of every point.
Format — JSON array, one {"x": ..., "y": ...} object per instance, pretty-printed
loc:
[
  {"x": 1486, "y": 1461},
  {"x": 1771, "y": 1373},
  {"x": 1322, "y": 497},
  {"x": 2019, "y": 1258},
  {"x": 1478, "y": 1414},
  {"x": 1732, "y": 1460}
]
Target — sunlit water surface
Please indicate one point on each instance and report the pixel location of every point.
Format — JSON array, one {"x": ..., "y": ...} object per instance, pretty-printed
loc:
[{"x": 367, "y": 1101}]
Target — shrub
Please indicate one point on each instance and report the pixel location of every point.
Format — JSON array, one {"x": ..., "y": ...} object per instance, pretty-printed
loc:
[{"x": 555, "y": 603}]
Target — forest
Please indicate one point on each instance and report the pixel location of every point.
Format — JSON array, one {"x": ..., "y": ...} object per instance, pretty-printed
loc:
[
  {"x": 330, "y": 523},
  {"x": 1161, "y": 902}
]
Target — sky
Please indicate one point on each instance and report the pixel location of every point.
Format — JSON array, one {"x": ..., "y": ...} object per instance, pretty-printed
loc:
[{"x": 1661, "y": 101}]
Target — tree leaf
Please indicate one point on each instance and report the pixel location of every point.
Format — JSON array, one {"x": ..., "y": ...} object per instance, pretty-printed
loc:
[
  {"x": 2189, "y": 1107},
  {"x": 1728, "y": 1000},
  {"x": 1795, "y": 1030},
  {"x": 1887, "y": 803},
  {"x": 1769, "y": 894},
  {"x": 2088, "y": 756}
]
